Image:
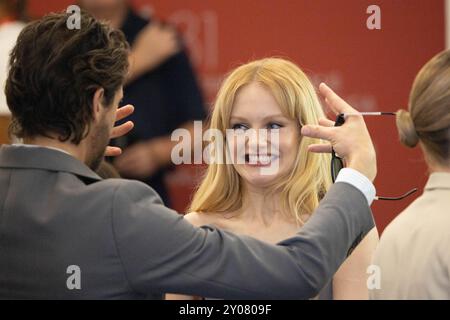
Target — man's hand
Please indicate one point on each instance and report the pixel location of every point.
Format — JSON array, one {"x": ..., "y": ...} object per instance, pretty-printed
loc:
[
  {"x": 350, "y": 141},
  {"x": 154, "y": 44},
  {"x": 121, "y": 130}
]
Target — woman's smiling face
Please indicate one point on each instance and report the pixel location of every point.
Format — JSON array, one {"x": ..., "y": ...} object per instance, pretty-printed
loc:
[{"x": 256, "y": 108}]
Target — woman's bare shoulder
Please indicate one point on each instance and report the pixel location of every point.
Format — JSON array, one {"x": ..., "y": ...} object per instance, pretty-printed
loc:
[{"x": 200, "y": 218}]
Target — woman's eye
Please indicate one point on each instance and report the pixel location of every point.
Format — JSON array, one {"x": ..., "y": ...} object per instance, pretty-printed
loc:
[
  {"x": 274, "y": 126},
  {"x": 239, "y": 126}
]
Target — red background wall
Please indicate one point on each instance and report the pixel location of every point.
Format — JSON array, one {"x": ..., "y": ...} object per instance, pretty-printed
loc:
[{"x": 373, "y": 69}]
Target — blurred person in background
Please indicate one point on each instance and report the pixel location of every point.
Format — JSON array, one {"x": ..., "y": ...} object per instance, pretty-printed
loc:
[
  {"x": 413, "y": 254},
  {"x": 162, "y": 86},
  {"x": 12, "y": 12}
]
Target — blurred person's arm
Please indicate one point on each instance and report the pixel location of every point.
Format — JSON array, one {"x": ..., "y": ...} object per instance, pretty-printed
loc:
[
  {"x": 154, "y": 45},
  {"x": 143, "y": 159}
]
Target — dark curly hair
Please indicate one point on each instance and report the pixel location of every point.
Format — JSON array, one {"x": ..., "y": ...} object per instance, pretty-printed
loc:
[{"x": 55, "y": 71}]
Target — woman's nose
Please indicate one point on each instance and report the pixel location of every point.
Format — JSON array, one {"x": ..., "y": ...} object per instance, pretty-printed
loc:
[{"x": 257, "y": 141}]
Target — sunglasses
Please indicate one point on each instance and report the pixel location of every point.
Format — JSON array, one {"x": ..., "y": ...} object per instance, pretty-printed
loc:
[{"x": 337, "y": 163}]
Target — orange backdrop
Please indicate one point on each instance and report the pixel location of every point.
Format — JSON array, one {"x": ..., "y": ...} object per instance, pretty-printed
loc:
[{"x": 373, "y": 69}]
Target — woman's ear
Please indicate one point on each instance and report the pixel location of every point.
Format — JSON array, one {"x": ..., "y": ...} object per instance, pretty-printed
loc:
[{"x": 97, "y": 105}]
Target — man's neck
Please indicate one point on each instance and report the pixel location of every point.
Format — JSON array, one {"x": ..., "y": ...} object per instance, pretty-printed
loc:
[{"x": 77, "y": 151}]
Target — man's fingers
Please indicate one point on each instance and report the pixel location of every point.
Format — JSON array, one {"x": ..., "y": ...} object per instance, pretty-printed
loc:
[
  {"x": 326, "y": 122},
  {"x": 320, "y": 132},
  {"x": 113, "y": 151},
  {"x": 319, "y": 148},
  {"x": 122, "y": 130},
  {"x": 124, "y": 112},
  {"x": 336, "y": 103}
]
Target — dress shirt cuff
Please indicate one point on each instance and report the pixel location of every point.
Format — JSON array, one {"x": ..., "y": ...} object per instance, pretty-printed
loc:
[{"x": 359, "y": 181}]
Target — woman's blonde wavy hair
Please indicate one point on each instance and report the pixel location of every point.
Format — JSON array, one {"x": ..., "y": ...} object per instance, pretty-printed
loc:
[{"x": 221, "y": 189}]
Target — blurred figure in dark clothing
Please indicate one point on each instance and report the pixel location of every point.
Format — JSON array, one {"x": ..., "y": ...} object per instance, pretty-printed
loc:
[{"x": 162, "y": 86}]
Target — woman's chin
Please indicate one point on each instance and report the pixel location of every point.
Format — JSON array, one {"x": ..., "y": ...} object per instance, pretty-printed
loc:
[{"x": 260, "y": 180}]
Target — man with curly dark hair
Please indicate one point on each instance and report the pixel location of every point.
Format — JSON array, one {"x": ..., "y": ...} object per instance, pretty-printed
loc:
[{"x": 70, "y": 78}]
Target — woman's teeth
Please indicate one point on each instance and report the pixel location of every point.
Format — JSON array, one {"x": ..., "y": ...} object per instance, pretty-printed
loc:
[{"x": 261, "y": 159}]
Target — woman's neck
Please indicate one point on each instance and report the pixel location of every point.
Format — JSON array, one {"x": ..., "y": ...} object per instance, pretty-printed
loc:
[
  {"x": 433, "y": 164},
  {"x": 437, "y": 169},
  {"x": 259, "y": 206}
]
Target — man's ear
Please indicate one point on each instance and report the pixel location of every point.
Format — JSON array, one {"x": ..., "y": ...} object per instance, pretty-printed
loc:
[{"x": 97, "y": 103}]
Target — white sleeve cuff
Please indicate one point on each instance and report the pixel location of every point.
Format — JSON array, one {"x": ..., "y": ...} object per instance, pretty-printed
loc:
[{"x": 359, "y": 181}]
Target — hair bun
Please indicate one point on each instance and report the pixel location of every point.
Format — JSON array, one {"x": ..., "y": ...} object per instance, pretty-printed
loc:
[{"x": 406, "y": 130}]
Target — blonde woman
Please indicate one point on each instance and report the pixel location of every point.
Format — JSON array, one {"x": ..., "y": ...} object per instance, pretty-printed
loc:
[{"x": 273, "y": 94}]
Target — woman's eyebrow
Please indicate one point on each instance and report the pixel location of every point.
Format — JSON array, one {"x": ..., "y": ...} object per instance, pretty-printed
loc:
[{"x": 278, "y": 115}]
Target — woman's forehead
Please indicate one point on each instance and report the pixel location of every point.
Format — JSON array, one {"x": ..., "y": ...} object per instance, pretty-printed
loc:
[{"x": 255, "y": 99}]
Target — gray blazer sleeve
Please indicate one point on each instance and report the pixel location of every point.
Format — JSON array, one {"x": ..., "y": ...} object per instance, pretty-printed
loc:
[{"x": 161, "y": 252}]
